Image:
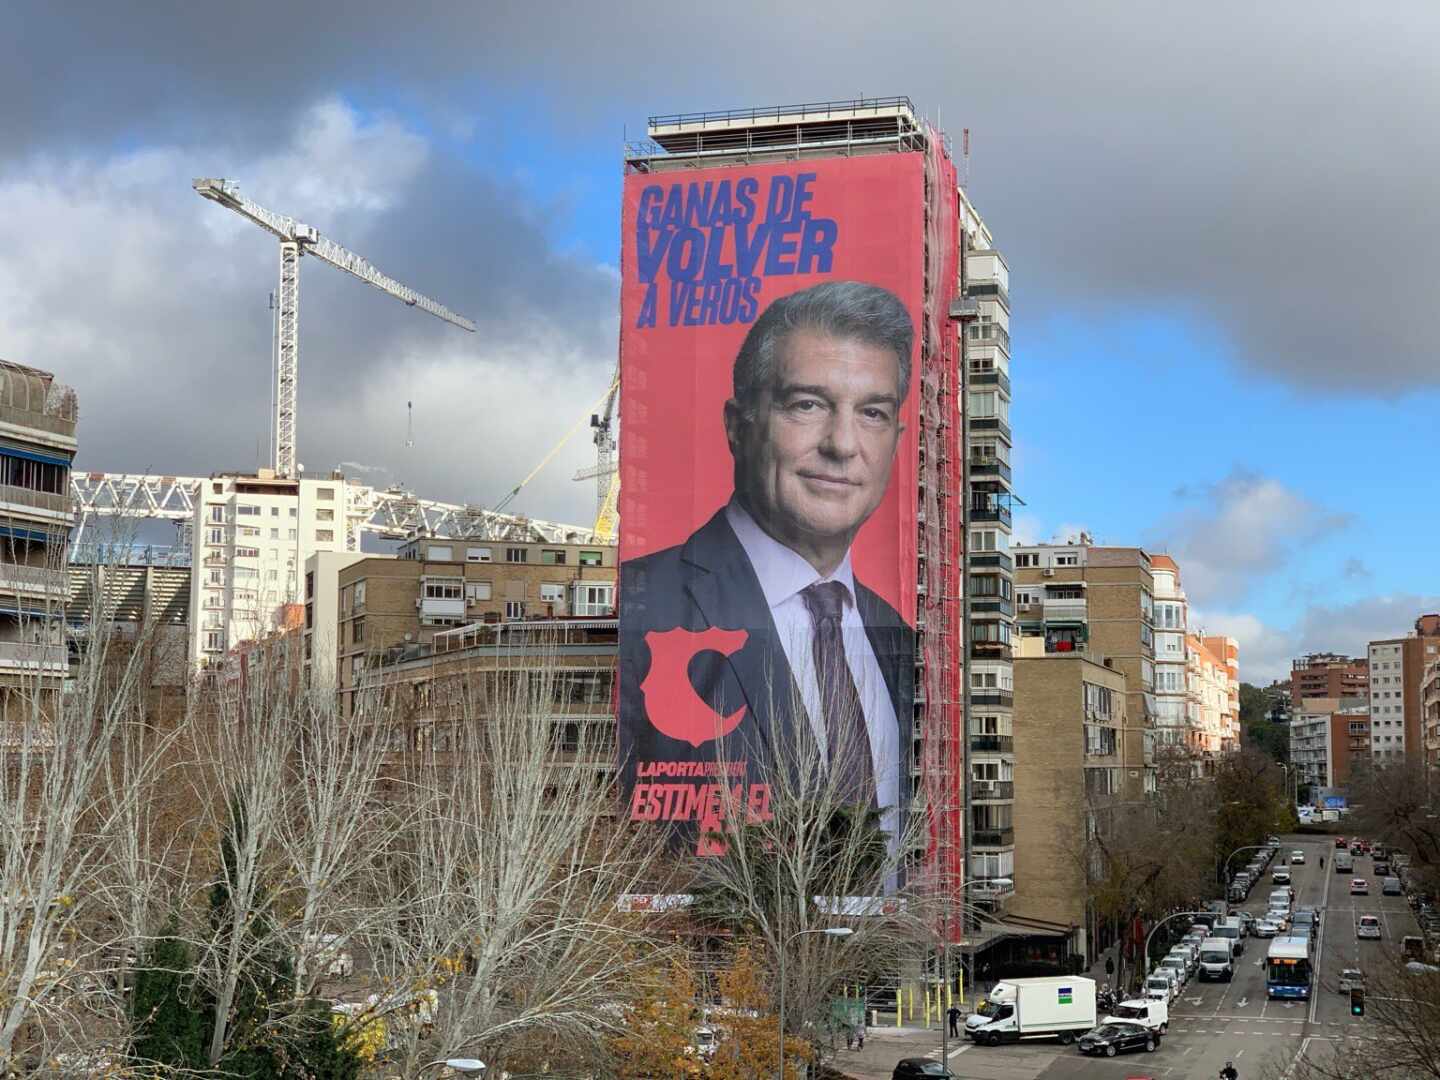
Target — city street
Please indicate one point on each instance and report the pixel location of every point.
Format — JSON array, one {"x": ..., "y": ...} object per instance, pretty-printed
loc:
[{"x": 1212, "y": 1023}]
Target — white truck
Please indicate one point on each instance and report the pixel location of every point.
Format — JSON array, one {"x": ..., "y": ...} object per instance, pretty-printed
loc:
[
  {"x": 1217, "y": 960},
  {"x": 1046, "y": 1008},
  {"x": 1153, "y": 1014}
]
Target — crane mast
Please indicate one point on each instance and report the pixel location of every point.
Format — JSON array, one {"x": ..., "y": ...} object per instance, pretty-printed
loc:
[{"x": 297, "y": 239}]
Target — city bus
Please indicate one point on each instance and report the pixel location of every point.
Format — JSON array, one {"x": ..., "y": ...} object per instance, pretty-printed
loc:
[{"x": 1288, "y": 973}]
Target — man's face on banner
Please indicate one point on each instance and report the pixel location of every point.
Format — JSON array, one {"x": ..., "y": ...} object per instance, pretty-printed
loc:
[{"x": 814, "y": 450}]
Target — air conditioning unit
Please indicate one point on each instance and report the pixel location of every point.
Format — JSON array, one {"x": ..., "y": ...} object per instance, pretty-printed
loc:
[
  {"x": 1049, "y": 571},
  {"x": 419, "y": 603}
]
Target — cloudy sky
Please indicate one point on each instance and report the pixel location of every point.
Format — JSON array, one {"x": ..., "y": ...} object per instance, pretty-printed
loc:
[{"x": 1220, "y": 219}]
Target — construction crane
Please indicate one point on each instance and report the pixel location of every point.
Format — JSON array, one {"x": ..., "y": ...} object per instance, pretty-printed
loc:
[
  {"x": 605, "y": 471},
  {"x": 297, "y": 239}
]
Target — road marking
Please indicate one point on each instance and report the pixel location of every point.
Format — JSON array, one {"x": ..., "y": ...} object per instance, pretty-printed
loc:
[
  {"x": 1242, "y": 1003},
  {"x": 959, "y": 1050}
]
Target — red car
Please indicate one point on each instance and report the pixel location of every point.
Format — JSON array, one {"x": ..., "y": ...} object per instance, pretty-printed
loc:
[{"x": 1339, "y": 841}]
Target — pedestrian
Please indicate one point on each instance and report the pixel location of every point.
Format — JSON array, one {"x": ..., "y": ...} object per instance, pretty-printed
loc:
[
  {"x": 849, "y": 1036},
  {"x": 1109, "y": 969},
  {"x": 954, "y": 1017},
  {"x": 860, "y": 1036}
]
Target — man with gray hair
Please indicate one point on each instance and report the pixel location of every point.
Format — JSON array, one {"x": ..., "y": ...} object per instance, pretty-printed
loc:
[{"x": 813, "y": 427}]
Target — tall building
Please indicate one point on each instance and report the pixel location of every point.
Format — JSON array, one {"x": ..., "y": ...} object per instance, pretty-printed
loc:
[
  {"x": 436, "y": 585},
  {"x": 989, "y": 581},
  {"x": 1397, "y": 670},
  {"x": 1430, "y": 712},
  {"x": 1226, "y": 652},
  {"x": 1211, "y": 694},
  {"x": 1099, "y": 601},
  {"x": 251, "y": 536},
  {"x": 1172, "y": 624},
  {"x": 1327, "y": 675},
  {"x": 1075, "y": 764},
  {"x": 1329, "y": 738},
  {"x": 37, "y": 445},
  {"x": 322, "y": 615}
]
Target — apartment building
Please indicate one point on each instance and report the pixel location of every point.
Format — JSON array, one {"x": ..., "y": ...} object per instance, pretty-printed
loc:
[
  {"x": 1329, "y": 740},
  {"x": 1397, "y": 670},
  {"x": 1100, "y": 602},
  {"x": 1225, "y": 651},
  {"x": 251, "y": 536},
  {"x": 1070, "y": 725},
  {"x": 1172, "y": 624},
  {"x": 322, "y": 614},
  {"x": 1210, "y": 714},
  {"x": 989, "y": 577},
  {"x": 1430, "y": 712},
  {"x": 38, "y": 419},
  {"x": 437, "y": 584},
  {"x": 432, "y": 687},
  {"x": 1327, "y": 675}
]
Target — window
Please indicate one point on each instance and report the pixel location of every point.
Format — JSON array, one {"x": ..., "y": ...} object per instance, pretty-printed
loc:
[
  {"x": 477, "y": 554},
  {"x": 248, "y": 531},
  {"x": 552, "y": 557},
  {"x": 217, "y": 536},
  {"x": 1065, "y": 592},
  {"x": 514, "y": 609},
  {"x": 324, "y": 515},
  {"x": 274, "y": 534},
  {"x": 440, "y": 553},
  {"x": 324, "y": 536},
  {"x": 1024, "y": 598},
  {"x": 592, "y": 558},
  {"x": 477, "y": 590},
  {"x": 274, "y": 511},
  {"x": 552, "y": 593},
  {"x": 294, "y": 512},
  {"x": 1067, "y": 559},
  {"x": 217, "y": 577},
  {"x": 517, "y": 555},
  {"x": 217, "y": 513},
  {"x": 247, "y": 553},
  {"x": 357, "y": 630},
  {"x": 444, "y": 589},
  {"x": 292, "y": 535},
  {"x": 1027, "y": 558},
  {"x": 214, "y": 640},
  {"x": 593, "y": 599},
  {"x": 1098, "y": 701},
  {"x": 360, "y": 595},
  {"x": 325, "y": 494},
  {"x": 247, "y": 510}
]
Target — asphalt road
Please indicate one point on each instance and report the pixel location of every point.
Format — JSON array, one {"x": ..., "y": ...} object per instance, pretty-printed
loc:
[{"x": 1212, "y": 1023}]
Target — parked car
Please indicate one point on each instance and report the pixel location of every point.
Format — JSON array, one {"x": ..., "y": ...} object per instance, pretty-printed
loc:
[
  {"x": 1391, "y": 887},
  {"x": 1359, "y": 887},
  {"x": 1180, "y": 966},
  {"x": 1297, "y": 857},
  {"x": 920, "y": 1069},
  {"x": 1368, "y": 927},
  {"x": 1351, "y": 979},
  {"x": 1111, "y": 1039},
  {"x": 1412, "y": 947}
]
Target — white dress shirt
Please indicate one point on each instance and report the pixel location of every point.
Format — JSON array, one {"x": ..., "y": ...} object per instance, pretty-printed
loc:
[{"x": 783, "y": 576}]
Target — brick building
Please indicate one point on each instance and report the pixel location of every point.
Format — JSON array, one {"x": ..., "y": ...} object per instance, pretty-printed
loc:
[
  {"x": 1327, "y": 675},
  {"x": 1397, "y": 672},
  {"x": 437, "y": 584}
]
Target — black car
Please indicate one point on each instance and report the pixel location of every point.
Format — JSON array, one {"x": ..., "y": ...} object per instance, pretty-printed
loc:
[
  {"x": 920, "y": 1069},
  {"x": 1110, "y": 1039}
]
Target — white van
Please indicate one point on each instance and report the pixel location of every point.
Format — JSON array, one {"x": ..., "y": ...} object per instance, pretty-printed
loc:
[
  {"x": 1281, "y": 898},
  {"x": 1230, "y": 928},
  {"x": 1217, "y": 961}
]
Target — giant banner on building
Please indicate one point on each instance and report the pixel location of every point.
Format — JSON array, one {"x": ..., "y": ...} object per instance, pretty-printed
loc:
[{"x": 770, "y": 367}]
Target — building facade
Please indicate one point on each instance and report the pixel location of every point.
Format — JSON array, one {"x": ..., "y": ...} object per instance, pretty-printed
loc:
[
  {"x": 1172, "y": 625},
  {"x": 1070, "y": 726},
  {"x": 1327, "y": 675},
  {"x": 250, "y": 539},
  {"x": 1100, "y": 602},
  {"x": 989, "y": 580},
  {"x": 38, "y": 418},
  {"x": 1397, "y": 673},
  {"x": 437, "y": 584},
  {"x": 1430, "y": 712}
]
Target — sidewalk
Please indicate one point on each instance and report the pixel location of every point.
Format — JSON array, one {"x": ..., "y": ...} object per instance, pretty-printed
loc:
[{"x": 884, "y": 1046}]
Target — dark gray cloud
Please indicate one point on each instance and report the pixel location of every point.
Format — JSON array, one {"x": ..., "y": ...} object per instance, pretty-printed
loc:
[{"x": 1268, "y": 167}]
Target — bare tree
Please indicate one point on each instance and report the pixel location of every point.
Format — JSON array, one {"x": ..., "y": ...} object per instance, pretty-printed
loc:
[{"x": 509, "y": 861}]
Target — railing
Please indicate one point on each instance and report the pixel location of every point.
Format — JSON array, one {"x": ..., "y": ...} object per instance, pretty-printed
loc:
[
  {"x": 32, "y": 656},
  {"x": 990, "y": 467},
  {"x": 42, "y": 500},
  {"x": 990, "y": 650},
  {"x": 17, "y": 578},
  {"x": 990, "y": 513},
  {"x": 991, "y": 605},
  {"x": 980, "y": 559},
  {"x": 992, "y": 837},
  {"x": 993, "y": 744},
  {"x": 992, "y": 789},
  {"x": 1003, "y": 698},
  {"x": 990, "y": 377},
  {"x": 812, "y": 108}
]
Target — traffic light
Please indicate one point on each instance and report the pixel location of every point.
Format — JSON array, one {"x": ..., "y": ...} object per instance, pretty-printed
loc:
[{"x": 1357, "y": 1001}]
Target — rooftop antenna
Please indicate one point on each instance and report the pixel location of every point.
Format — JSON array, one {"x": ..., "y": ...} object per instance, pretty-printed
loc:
[
  {"x": 409, "y": 423},
  {"x": 965, "y": 158}
]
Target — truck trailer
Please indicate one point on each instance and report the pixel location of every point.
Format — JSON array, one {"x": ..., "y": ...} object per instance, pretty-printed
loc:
[{"x": 1048, "y": 1008}]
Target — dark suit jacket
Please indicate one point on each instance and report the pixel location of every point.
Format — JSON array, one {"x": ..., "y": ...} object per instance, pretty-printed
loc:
[{"x": 708, "y": 582}]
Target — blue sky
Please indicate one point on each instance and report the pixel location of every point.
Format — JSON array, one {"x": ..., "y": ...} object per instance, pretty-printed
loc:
[{"x": 1224, "y": 251}]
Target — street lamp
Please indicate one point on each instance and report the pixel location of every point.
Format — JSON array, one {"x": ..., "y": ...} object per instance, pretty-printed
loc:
[
  {"x": 833, "y": 931},
  {"x": 994, "y": 883},
  {"x": 1282, "y": 765}
]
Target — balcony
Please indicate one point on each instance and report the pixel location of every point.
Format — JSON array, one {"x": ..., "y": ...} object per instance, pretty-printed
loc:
[
  {"x": 31, "y": 657},
  {"x": 990, "y": 650},
  {"x": 980, "y": 514},
  {"x": 48, "y": 503},
  {"x": 992, "y": 744},
  {"x": 1003, "y": 698},
  {"x": 17, "y": 579},
  {"x": 997, "y": 559},
  {"x": 992, "y": 790},
  {"x": 992, "y": 837},
  {"x": 986, "y": 467},
  {"x": 1064, "y": 610},
  {"x": 991, "y": 605},
  {"x": 990, "y": 377},
  {"x": 990, "y": 423}
]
